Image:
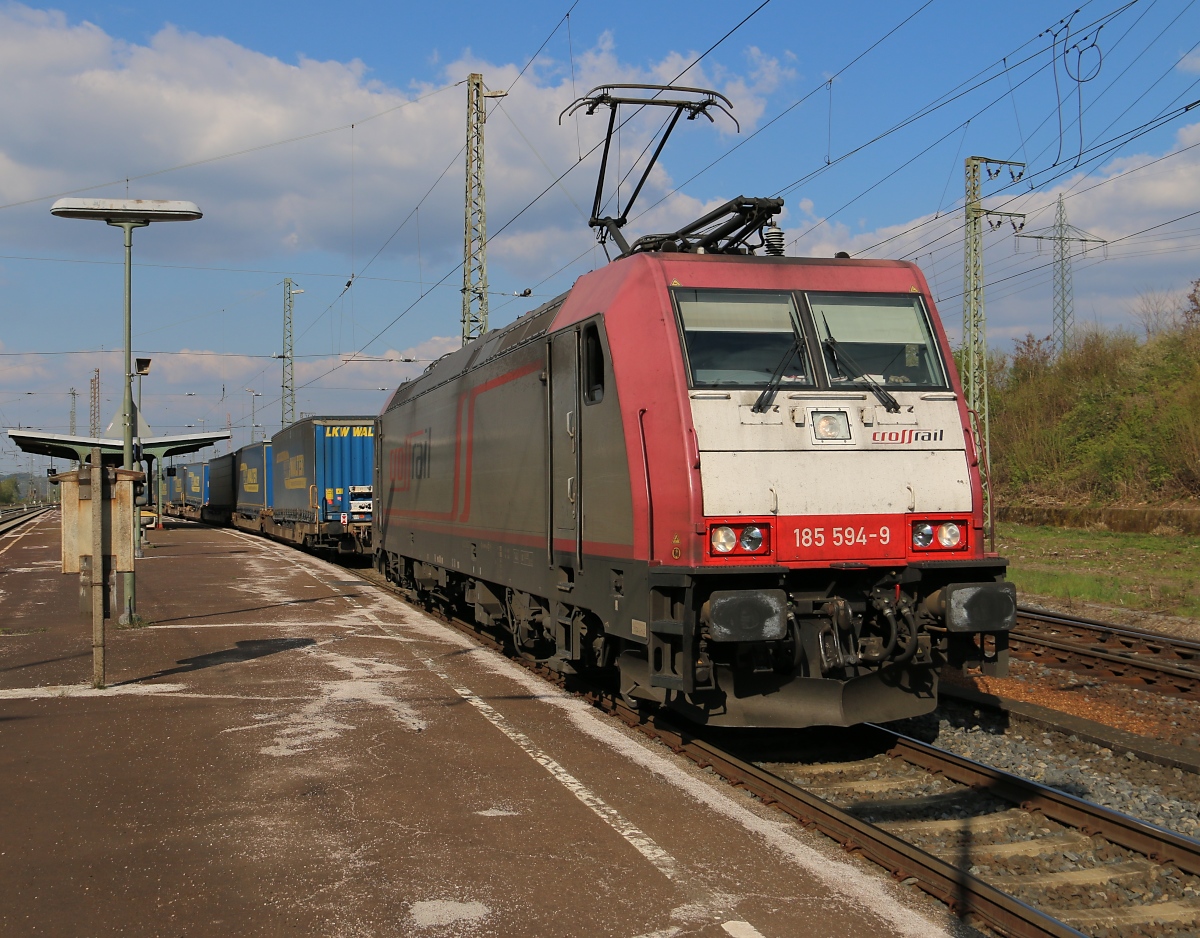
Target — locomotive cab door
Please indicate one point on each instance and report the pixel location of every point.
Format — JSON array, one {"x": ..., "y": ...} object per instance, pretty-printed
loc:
[{"x": 565, "y": 464}]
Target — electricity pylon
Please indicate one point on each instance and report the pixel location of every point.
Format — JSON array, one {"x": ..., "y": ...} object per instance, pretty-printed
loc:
[
  {"x": 475, "y": 282},
  {"x": 1062, "y": 233},
  {"x": 975, "y": 348}
]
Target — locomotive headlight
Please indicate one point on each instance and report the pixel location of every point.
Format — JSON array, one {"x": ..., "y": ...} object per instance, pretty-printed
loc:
[
  {"x": 752, "y": 538},
  {"x": 831, "y": 425},
  {"x": 949, "y": 534},
  {"x": 724, "y": 539},
  {"x": 922, "y": 534}
]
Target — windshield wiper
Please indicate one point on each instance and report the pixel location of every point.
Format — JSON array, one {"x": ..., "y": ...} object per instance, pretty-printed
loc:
[
  {"x": 890, "y": 404},
  {"x": 768, "y": 393}
]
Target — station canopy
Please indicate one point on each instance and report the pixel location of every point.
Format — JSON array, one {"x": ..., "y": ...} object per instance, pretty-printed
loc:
[{"x": 112, "y": 444}]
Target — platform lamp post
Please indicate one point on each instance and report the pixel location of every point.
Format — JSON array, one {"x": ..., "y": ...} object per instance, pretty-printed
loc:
[
  {"x": 254, "y": 396},
  {"x": 127, "y": 214}
]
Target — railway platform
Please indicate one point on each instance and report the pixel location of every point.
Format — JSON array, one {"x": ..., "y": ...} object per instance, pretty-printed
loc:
[{"x": 287, "y": 749}]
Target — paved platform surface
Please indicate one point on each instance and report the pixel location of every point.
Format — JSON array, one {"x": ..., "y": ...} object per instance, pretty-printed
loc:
[{"x": 286, "y": 750}]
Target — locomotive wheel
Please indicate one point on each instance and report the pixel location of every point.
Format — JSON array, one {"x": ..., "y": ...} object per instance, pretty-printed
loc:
[{"x": 526, "y": 627}]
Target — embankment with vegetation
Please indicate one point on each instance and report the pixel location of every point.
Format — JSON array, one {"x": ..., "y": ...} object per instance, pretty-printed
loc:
[{"x": 1114, "y": 420}]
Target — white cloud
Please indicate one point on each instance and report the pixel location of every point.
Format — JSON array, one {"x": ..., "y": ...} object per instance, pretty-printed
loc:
[{"x": 81, "y": 108}]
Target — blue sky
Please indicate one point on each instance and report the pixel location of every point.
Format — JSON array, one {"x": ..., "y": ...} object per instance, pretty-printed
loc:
[{"x": 860, "y": 113}]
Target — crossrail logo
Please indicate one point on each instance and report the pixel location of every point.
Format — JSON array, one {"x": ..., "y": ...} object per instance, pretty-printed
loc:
[
  {"x": 908, "y": 436},
  {"x": 410, "y": 460}
]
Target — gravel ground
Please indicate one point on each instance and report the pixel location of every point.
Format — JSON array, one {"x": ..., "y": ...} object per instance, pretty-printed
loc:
[
  {"x": 1167, "y": 797},
  {"x": 1173, "y": 720}
]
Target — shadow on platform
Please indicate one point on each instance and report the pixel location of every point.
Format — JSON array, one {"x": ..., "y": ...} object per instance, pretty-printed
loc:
[{"x": 242, "y": 651}]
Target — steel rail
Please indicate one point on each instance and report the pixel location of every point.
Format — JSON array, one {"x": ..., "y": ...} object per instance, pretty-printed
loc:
[
  {"x": 968, "y": 897},
  {"x": 1125, "y": 631},
  {"x": 1156, "y": 843},
  {"x": 1154, "y": 642},
  {"x": 1115, "y": 657},
  {"x": 971, "y": 898},
  {"x": 1143, "y": 666}
]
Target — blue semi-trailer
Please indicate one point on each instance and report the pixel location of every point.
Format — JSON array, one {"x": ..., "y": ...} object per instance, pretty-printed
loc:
[{"x": 322, "y": 470}]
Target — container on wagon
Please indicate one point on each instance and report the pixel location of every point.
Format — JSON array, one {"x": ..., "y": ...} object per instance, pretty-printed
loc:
[
  {"x": 253, "y": 463},
  {"x": 220, "y": 489},
  {"x": 323, "y": 469}
]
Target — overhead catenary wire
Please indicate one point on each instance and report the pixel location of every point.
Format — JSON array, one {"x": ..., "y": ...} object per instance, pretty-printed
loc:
[
  {"x": 957, "y": 92},
  {"x": 412, "y": 213},
  {"x": 458, "y": 266},
  {"x": 575, "y": 260},
  {"x": 791, "y": 107},
  {"x": 1103, "y": 150},
  {"x": 400, "y": 227},
  {"x": 995, "y": 280}
]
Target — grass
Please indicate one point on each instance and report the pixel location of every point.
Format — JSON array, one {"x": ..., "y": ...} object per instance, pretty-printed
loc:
[{"x": 1143, "y": 572}]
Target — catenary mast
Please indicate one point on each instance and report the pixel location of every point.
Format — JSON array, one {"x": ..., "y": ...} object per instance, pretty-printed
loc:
[
  {"x": 975, "y": 349},
  {"x": 475, "y": 279}
]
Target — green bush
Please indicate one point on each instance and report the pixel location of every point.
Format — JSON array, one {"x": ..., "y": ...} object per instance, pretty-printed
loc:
[{"x": 1110, "y": 420}]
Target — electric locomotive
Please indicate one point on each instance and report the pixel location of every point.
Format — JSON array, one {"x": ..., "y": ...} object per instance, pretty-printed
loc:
[{"x": 745, "y": 483}]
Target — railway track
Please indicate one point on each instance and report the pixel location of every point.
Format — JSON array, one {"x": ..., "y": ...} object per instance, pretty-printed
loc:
[
  {"x": 1007, "y": 854},
  {"x": 1113, "y": 653},
  {"x": 1003, "y": 852},
  {"x": 15, "y": 517}
]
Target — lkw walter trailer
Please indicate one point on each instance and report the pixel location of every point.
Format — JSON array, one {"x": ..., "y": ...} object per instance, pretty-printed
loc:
[{"x": 321, "y": 477}]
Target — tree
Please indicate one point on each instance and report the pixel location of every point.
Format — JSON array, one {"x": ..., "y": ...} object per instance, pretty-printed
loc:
[
  {"x": 1190, "y": 314},
  {"x": 1031, "y": 356},
  {"x": 1159, "y": 311}
]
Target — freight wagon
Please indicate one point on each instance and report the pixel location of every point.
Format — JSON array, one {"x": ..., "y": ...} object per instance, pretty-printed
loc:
[
  {"x": 254, "y": 495},
  {"x": 211, "y": 491},
  {"x": 321, "y": 483},
  {"x": 173, "y": 477},
  {"x": 193, "y": 490}
]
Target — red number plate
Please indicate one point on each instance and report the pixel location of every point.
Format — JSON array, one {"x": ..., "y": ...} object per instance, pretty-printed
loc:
[{"x": 841, "y": 537}]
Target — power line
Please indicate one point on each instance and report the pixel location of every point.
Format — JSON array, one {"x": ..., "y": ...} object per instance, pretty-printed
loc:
[
  {"x": 404, "y": 312},
  {"x": 1127, "y": 237},
  {"x": 791, "y": 107},
  {"x": 1103, "y": 149},
  {"x": 109, "y": 351}
]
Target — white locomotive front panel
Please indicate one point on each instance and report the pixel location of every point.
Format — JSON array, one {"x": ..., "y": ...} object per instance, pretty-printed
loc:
[{"x": 857, "y": 436}]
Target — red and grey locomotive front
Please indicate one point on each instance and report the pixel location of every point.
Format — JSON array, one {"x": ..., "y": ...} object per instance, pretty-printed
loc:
[{"x": 747, "y": 483}]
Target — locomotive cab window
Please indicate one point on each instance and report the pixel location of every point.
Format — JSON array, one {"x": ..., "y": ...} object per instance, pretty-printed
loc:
[
  {"x": 593, "y": 365},
  {"x": 742, "y": 338},
  {"x": 877, "y": 338}
]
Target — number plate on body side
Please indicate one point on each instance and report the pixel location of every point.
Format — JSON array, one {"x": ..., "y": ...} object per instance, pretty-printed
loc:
[{"x": 841, "y": 537}]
